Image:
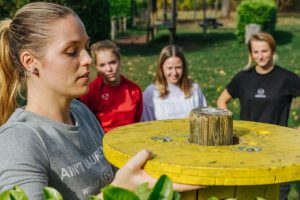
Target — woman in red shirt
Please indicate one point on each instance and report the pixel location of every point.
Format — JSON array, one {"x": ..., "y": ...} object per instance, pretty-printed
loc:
[{"x": 114, "y": 99}]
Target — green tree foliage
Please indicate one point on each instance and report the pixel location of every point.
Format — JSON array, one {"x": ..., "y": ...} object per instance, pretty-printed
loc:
[
  {"x": 3, "y": 13},
  {"x": 9, "y": 7},
  {"x": 120, "y": 7},
  {"x": 261, "y": 12},
  {"x": 94, "y": 14},
  {"x": 187, "y": 4},
  {"x": 141, "y": 4},
  {"x": 126, "y": 8}
]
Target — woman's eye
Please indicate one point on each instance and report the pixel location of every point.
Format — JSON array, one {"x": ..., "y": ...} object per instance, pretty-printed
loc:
[{"x": 71, "y": 53}]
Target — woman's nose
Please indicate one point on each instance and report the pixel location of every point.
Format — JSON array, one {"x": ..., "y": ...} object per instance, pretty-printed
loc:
[
  {"x": 261, "y": 54},
  {"x": 86, "y": 59},
  {"x": 174, "y": 72},
  {"x": 108, "y": 67}
]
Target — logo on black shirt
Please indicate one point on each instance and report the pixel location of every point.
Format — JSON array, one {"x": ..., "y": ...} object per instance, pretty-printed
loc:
[{"x": 260, "y": 93}]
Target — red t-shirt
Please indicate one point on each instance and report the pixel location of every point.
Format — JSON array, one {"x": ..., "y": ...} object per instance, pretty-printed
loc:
[{"x": 114, "y": 106}]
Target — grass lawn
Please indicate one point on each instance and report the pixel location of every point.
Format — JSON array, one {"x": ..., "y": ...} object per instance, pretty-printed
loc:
[{"x": 213, "y": 58}]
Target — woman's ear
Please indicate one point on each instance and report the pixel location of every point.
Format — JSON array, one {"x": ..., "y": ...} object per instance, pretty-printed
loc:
[{"x": 28, "y": 61}]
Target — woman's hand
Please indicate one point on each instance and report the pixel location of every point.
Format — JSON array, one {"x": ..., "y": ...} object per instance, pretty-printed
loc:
[{"x": 132, "y": 174}]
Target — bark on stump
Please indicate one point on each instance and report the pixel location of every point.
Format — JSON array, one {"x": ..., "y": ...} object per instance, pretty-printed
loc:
[{"x": 211, "y": 126}]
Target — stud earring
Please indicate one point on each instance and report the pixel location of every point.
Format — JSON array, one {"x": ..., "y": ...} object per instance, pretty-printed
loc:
[{"x": 35, "y": 71}]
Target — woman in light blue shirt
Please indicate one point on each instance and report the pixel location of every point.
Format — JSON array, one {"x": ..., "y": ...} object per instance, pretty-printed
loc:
[{"x": 172, "y": 95}]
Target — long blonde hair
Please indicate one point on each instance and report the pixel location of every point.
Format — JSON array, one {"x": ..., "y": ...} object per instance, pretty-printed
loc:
[
  {"x": 28, "y": 30},
  {"x": 160, "y": 80},
  {"x": 265, "y": 37}
]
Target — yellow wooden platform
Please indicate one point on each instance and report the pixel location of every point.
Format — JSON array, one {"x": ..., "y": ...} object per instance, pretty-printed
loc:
[{"x": 265, "y": 154}]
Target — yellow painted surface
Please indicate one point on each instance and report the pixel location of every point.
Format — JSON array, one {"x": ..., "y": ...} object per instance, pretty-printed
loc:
[{"x": 278, "y": 161}]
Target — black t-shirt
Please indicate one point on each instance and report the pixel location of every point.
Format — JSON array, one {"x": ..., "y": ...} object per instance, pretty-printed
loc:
[{"x": 265, "y": 97}]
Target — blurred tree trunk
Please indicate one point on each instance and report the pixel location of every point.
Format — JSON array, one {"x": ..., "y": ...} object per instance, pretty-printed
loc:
[
  {"x": 225, "y": 10},
  {"x": 277, "y": 3},
  {"x": 165, "y": 10}
]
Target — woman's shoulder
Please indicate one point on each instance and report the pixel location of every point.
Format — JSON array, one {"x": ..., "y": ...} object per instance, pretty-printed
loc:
[
  {"x": 283, "y": 71},
  {"x": 20, "y": 119},
  {"x": 79, "y": 108},
  {"x": 149, "y": 92},
  {"x": 131, "y": 86},
  {"x": 21, "y": 123},
  {"x": 15, "y": 128},
  {"x": 150, "y": 88},
  {"x": 20, "y": 136},
  {"x": 78, "y": 105},
  {"x": 195, "y": 86},
  {"x": 129, "y": 82}
]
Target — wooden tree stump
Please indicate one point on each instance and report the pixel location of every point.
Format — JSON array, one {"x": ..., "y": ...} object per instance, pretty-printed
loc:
[{"x": 211, "y": 126}]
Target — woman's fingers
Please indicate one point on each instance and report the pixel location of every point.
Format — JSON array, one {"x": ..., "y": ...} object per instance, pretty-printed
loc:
[
  {"x": 132, "y": 174},
  {"x": 138, "y": 160}
]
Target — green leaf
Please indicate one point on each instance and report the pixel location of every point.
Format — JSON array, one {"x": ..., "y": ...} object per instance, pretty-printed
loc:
[
  {"x": 15, "y": 193},
  {"x": 176, "y": 196},
  {"x": 51, "y": 194},
  {"x": 115, "y": 193},
  {"x": 163, "y": 189},
  {"x": 259, "y": 198},
  {"x": 5, "y": 195},
  {"x": 143, "y": 191},
  {"x": 93, "y": 197}
]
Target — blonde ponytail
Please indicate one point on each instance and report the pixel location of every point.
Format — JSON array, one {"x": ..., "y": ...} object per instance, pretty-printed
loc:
[{"x": 9, "y": 76}]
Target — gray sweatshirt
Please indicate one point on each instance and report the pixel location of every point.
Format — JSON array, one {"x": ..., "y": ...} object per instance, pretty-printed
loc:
[{"x": 36, "y": 152}]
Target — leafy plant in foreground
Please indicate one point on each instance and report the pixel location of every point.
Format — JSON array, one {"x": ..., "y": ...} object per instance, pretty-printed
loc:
[{"x": 163, "y": 190}]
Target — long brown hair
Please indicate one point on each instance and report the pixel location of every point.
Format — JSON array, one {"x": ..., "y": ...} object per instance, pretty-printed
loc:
[
  {"x": 160, "y": 80},
  {"x": 265, "y": 37},
  {"x": 28, "y": 30}
]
